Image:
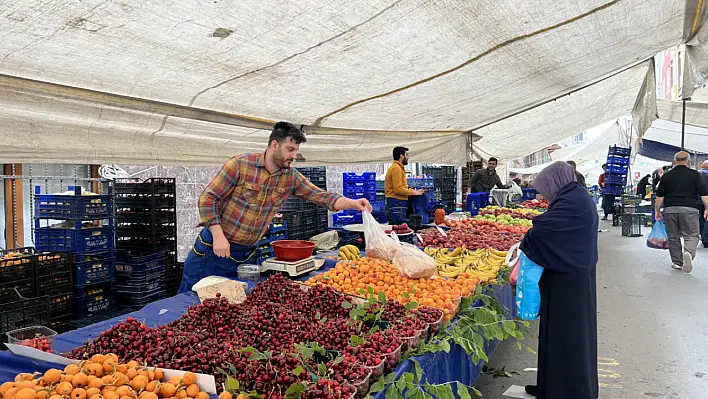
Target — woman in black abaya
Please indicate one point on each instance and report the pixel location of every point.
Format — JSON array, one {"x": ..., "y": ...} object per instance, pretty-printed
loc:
[{"x": 563, "y": 241}]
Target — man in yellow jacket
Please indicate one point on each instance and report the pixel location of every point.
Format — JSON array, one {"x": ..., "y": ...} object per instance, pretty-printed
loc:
[{"x": 396, "y": 188}]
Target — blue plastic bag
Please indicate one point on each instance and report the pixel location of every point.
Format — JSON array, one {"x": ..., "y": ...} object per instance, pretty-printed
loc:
[
  {"x": 658, "y": 238},
  {"x": 528, "y": 295}
]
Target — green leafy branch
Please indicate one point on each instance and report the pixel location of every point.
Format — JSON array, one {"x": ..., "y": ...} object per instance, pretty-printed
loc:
[{"x": 412, "y": 385}]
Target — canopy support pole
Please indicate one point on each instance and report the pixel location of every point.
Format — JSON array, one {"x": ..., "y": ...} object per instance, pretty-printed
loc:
[{"x": 683, "y": 127}]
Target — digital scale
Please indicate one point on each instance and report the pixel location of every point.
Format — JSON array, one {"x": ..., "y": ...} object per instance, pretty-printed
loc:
[{"x": 293, "y": 269}]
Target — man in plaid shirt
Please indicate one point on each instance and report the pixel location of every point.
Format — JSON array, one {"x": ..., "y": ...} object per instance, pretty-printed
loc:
[{"x": 238, "y": 205}]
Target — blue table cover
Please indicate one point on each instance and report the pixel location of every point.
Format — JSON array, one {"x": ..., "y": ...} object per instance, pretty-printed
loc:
[{"x": 438, "y": 367}]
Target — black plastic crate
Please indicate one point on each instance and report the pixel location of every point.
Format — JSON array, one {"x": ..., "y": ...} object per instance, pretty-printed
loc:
[
  {"x": 297, "y": 204},
  {"x": 147, "y": 245},
  {"x": 54, "y": 284},
  {"x": 17, "y": 267},
  {"x": 7, "y": 291},
  {"x": 145, "y": 202},
  {"x": 146, "y": 230},
  {"x": 138, "y": 301},
  {"x": 61, "y": 306},
  {"x": 152, "y": 185},
  {"x": 50, "y": 263},
  {"x": 94, "y": 300},
  {"x": 72, "y": 207},
  {"x": 134, "y": 266},
  {"x": 142, "y": 216},
  {"x": 61, "y": 325},
  {"x": 92, "y": 269},
  {"x": 142, "y": 285},
  {"x": 21, "y": 311}
]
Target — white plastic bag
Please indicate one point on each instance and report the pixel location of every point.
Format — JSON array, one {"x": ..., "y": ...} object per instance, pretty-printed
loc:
[
  {"x": 378, "y": 244},
  {"x": 412, "y": 262}
]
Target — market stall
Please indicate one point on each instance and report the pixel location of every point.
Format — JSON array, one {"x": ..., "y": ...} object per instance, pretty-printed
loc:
[{"x": 472, "y": 275}]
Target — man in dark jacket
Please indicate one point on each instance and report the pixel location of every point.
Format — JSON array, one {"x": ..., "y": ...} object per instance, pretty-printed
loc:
[
  {"x": 484, "y": 180},
  {"x": 578, "y": 176},
  {"x": 642, "y": 187}
]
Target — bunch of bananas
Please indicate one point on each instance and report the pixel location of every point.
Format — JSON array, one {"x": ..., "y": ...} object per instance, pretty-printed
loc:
[
  {"x": 484, "y": 264},
  {"x": 349, "y": 252}
]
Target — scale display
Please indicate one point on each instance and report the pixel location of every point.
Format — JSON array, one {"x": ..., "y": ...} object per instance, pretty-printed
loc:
[{"x": 291, "y": 268}]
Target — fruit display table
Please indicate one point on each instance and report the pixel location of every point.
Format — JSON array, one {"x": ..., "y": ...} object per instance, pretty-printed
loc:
[{"x": 439, "y": 367}]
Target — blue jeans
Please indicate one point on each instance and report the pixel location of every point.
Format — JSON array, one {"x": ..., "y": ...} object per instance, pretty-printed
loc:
[
  {"x": 202, "y": 262},
  {"x": 608, "y": 201},
  {"x": 396, "y": 211}
]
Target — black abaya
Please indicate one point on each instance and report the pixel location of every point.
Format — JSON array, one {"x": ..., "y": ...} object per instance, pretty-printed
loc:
[{"x": 564, "y": 241}]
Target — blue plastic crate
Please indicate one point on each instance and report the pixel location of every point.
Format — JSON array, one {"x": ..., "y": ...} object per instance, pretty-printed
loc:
[
  {"x": 359, "y": 186},
  {"x": 139, "y": 287},
  {"x": 345, "y": 218},
  {"x": 353, "y": 177},
  {"x": 92, "y": 301},
  {"x": 613, "y": 190},
  {"x": 78, "y": 240},
  {"x": 617, "y": 160},
  {"x": 72, "y": 207},
  {"x": 371, "y": 196},
  {"x": 620, "y": 151},
  {"x": 617, "y": 169},
  {"x": 378, "y": 205},
  {"x": 92, "y": 269},
  {"x": 615, "y": 179},
  {"x": 528, "y": 194},
  {"x": 421, "y": 182},
  {"x": 480, "y": 200},
  {"x": 137, "y": 267}
]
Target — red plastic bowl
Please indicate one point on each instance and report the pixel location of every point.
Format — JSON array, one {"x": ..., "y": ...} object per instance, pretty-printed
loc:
[{"x": 292, "y": 250}]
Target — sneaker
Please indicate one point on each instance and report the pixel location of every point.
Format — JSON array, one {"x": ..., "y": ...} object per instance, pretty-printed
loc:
[
  {"x": 677, "y": 267},
  {"x": 531, "y": 390},
  {"x": 687, "y": 262}
]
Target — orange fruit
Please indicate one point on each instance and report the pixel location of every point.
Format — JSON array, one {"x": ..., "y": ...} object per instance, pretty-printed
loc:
[
  {"x": 25, "y": 384},
  {"x": 52, "y": 376},
  {"x": 80, "y": 380},
  {"x": 98, "y": 396},
  {"x": 189, "y": 378},
  {"x": 25, "y": 393},
  {"x": 6, "y": 386},
  {"x": 227, "y": 395},
  {"x": 78, "y": 393},
  {"x": 167, "y": 390},
  {"x": 98, "y": 358},
  {"x": 110, "y": 395},
  {"x": 159, "y": 374},
  {"x": 64, "y": 388},
  {"x": 131, "y": 373},
  {"x": 94, "y": 382},
  {"x": 192, "y": 390},
  {"x": 139, "y": 383},
  {"x": 152, "y": 386},
  {"x": 202, "y": 395},
  {"x": 147, "y": 395},
  {"x": 42, "y": 394},
  {"x": 124, "y": 390},
  {"x": 181, "y": 394},
  {"x": 95, "y": 369},
  {"x": 92, "y": 391},
  {"x": 175, "y": 380}
]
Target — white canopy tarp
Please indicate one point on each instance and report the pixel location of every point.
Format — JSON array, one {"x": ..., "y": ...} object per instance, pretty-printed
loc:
[
  {"x": 200, "y": 77},
  {"x": 668, "y": 132}
]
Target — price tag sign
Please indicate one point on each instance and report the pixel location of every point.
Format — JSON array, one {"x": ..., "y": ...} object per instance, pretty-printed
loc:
[{"x": 441, "y": 231}]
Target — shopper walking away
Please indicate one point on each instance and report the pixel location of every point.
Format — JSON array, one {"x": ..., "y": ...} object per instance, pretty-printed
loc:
[
  {"x": 677, "y": 193},
  {"x": 396, "y": 188},
  {"x": 642, "y": 187},
  {"x": 238, "y": 205},
  {"x": 578, "y": 176},
  {"x": 702, "y": 221},
  {"x": 608, "y": 200},
  {"x": 484, "y": 180},
  {"x": 563, "y": 240}
]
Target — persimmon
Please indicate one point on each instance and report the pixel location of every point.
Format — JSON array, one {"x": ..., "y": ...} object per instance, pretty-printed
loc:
[
  {"x": 92, "y": 391},
  {"x": 78, "y": 393},
  {"x": 64, "y": 389},
  {"x": 192, "y": 390}
]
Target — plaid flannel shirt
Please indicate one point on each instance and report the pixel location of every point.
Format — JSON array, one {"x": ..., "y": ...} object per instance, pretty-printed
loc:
[{"x": 244, "y": 197}]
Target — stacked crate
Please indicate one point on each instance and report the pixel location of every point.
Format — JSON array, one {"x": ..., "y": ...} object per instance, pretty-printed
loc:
[
  {"x": 444, "y": 185},
  {"x": 277, "y": 231},
  {"x": 83, "y": 225},
  {"x": 55, "y": 279},
  {"x": 356, "y": 187},
  {"x": 304, "y": 218},
  {"x": 467, "y": 172},
  {"x": 19, "y": 305},
  {"x": 146, "y": 237},
  {"x": 616, "y": 170}
]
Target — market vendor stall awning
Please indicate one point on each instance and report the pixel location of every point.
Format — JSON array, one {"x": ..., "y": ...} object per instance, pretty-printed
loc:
[{"x": 189, "y": 82}]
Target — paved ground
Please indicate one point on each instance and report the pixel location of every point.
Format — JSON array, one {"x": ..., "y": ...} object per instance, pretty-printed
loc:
[{"x": 652, "y": 326}]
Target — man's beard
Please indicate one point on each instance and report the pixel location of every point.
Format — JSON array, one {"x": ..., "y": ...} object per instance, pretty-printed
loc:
[{"x": 282, "y": 162}]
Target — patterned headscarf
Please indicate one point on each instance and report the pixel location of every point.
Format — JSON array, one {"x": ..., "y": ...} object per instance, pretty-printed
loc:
[{"x": 552, "y": 178}]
